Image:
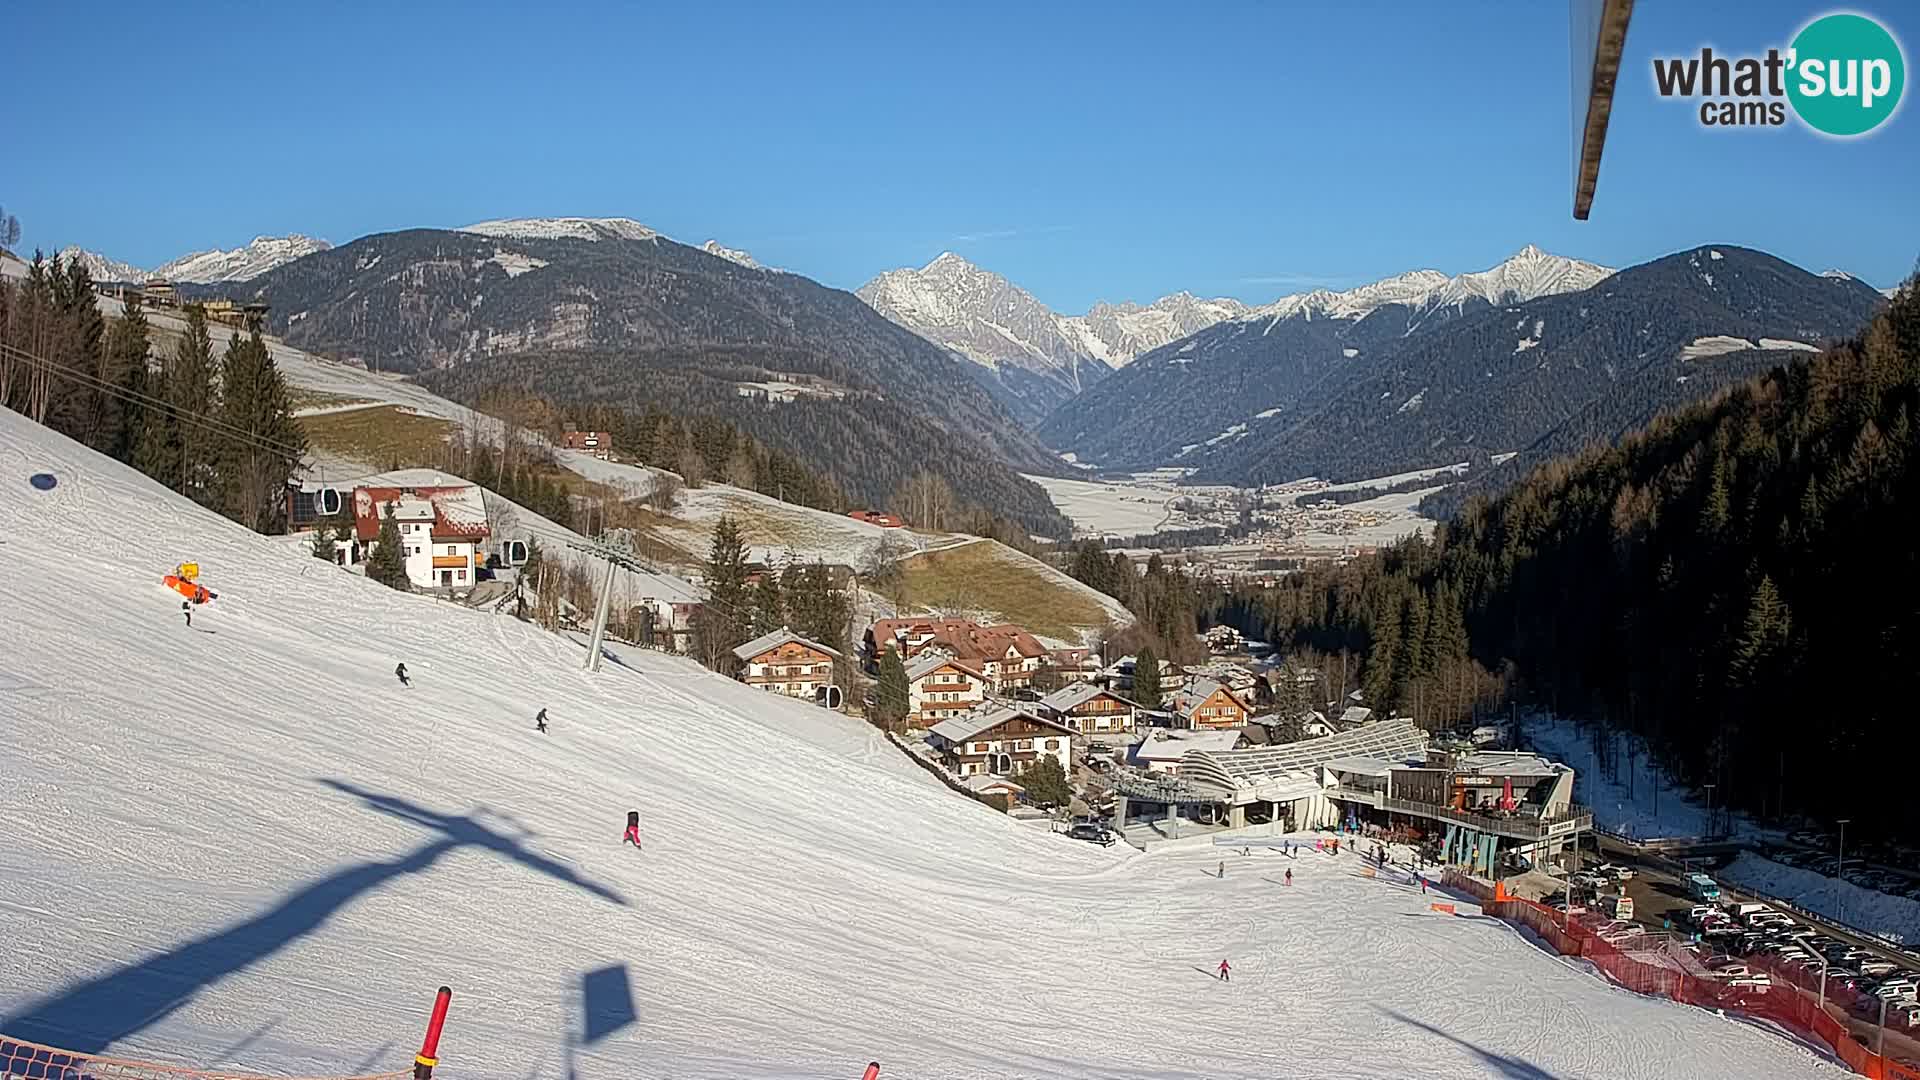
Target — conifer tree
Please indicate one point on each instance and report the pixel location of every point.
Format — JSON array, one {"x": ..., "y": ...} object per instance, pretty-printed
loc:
[
  {"x": 128, "y": 344},
  {"x": 192, "y": 391},
  {"x": 1046, "y": 782},
  {"x": 892, "y": 697},
  {"x": 727, "y": 615},
  {"x": 1146, "y": 678},
  {"x": 388, "y": 563},
  {"x": 254, "y": 400},
  {"x": 323, "y": 542},
  {"x": 769, "y": 612}
]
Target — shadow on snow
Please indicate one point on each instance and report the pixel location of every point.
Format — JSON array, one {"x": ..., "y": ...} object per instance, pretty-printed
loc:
[
  {"x": 1511, "y": 1068},
  {"x": 90, "y": 1016}
]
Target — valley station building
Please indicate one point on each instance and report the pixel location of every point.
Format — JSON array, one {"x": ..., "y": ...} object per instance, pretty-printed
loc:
[{"x": 1479, "y": 807}]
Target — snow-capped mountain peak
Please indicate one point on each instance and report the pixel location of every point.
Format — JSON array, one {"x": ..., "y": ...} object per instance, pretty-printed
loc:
[
  {"x": 563, "y": 228},
  {"x": 732, "y": 255},
  {"x": 101, "y": 267},
  {"x": 1528, "y": 274},
  {"x": 242, "y": 263},
  {"x": 205, "y": 267}
]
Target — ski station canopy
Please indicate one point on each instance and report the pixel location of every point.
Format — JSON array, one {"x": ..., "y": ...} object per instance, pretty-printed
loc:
[{"x": 1283, "y": 773}]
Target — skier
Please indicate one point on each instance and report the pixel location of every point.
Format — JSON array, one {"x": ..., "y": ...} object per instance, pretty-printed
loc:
[
  {"x": 1226, "y": 972},
  {"x": 1289, "y": 875},
  {"x": 540, "y": 722},
  {"x": 401, "y": 671},
  {"x": 1223, "y": 869},
  {"x": 1423, "y": 886},
  {"x": 187, "y": 610},
  {"x": 633, "y": 828}
]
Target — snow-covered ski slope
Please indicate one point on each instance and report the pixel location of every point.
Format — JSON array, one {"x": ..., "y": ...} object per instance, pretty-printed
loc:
[{"x": 244, "y": 845}]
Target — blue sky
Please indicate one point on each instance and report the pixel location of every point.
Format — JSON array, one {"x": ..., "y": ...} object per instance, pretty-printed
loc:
[{"x": 1087, "y": 151}]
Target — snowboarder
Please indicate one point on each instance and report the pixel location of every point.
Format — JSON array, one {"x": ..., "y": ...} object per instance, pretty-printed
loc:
[
  {"x": 187, "y": 610},
  {"x": 633, "y": 828},
  {"x": 540, "y": 722},
  {"x": 1289, "y": 875},
  {"x": 401, "y": 671},
  {"x": 1423, "y": 886},
  {"x": 1226, "y": 972}
]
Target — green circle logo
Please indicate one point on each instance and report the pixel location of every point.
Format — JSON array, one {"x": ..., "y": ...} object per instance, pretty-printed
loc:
[{"x": 1847, "y": 75}]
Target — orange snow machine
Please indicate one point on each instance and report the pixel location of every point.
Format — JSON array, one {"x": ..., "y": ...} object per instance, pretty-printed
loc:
[{"x": 185, "y": 581}]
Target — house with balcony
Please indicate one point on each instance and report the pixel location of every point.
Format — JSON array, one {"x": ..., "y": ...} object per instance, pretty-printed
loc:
[
  {"x": 1207, "y": 705},
  {"x": 1005, "y": 654},
  {"x": 941, "y": 688},
  {"x": 783, "y": 662},
  {"x": 1090, "y": 710},
  {"x": 1000, "y": 741},
  {"x": 443, "y": 530}
]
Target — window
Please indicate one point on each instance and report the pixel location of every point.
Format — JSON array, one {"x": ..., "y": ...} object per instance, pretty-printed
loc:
[
  {"x": 460, "y": 575},
  {"x": 1023, "y": 744}
]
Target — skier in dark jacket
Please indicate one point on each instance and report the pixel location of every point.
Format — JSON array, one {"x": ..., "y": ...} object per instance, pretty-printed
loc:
[
  {"x": 401, "y": 671},
  {"x": 633, "y": 828},
  {"x": 187, "y": 610},
  {"x": 540, "y": 722}
]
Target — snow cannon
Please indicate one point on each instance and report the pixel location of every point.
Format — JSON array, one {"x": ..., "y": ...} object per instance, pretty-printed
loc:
[{"x": 185, "y": 581}]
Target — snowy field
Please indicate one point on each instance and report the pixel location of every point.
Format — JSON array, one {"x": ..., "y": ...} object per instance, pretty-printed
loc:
[
  {"x": 244, "y": 845},
  {"x": 1100, "y": 508},
  {"x": 1895, "y": 918}
]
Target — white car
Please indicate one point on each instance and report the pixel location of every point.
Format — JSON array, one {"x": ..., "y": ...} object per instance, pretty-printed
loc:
[
  {"x": 1757, "y": 983},
  {"x": 1614, "y": 871}
]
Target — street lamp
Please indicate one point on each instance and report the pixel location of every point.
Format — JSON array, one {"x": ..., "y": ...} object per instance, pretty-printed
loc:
[
  {"x": 1709, "y": 788},
  {"x": 1840, "y": 857}
]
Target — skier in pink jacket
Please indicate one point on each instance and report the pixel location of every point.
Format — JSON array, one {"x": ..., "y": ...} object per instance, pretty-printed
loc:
[{"x": 633, "y": 828}]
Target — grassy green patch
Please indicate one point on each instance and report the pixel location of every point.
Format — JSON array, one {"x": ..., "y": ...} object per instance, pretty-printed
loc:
[
  {"x": 384, "y": 437},
  {"x": 989, "y": 576}
]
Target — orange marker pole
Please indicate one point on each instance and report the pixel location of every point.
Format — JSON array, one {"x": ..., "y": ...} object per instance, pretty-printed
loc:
[{"x": 873, "y": 1071}]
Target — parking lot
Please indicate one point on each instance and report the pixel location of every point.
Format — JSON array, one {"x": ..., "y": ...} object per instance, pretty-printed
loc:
[{"x": 1789, "y": 943}]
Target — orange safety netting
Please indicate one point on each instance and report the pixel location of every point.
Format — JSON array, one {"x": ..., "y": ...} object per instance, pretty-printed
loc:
[
  {"x": 1656, "y": 964},
  {"x": 32, "y": 1061}
]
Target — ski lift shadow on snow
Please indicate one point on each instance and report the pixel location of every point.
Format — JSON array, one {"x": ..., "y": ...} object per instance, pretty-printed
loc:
[
  {"x": 1510, "y": 1068},
  {"x": 91, "y": 1015}
]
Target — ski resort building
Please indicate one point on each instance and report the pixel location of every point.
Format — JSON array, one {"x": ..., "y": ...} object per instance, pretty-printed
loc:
[
  {"x": 783, "y": 662},
  {"x": 941, "y": 688},
  {"x": 1090, "y": 710},
  {"x": 1000, "y": 742},
  {"x": 442, "y": 528},
  {"x": 1162, "y": 750},
  {"x": 1476, "y": 808}
]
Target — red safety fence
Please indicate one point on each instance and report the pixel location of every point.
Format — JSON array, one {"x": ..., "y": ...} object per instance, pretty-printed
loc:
[{"x": 1657, "y": 964}]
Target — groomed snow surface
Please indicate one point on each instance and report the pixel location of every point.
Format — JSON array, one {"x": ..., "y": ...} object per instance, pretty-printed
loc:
[{"x": 244, "y": 845}]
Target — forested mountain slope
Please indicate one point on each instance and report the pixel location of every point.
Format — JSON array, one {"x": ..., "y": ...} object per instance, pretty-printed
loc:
[{"x": 1737, "y": 583}]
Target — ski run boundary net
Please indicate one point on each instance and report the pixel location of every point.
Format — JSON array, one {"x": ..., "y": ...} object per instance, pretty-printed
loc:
[
  {"x": 1655, "y": 964},
  {"x": 32, "y": 1061}
]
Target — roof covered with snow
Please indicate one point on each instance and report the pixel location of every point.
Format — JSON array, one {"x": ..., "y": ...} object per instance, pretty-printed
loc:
[
  {"x": 1175, "y": 745},
  {"x": 1068, "y": 697},
  {"x": 777, "y": 638},
  {"x": 974, "y": 724}
]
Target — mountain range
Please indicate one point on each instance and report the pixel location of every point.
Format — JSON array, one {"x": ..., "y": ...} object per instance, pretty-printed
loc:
[
  {"x": 1367, "y": 390},
  {"x": 206, "y": 267},
  {"x": 1207, "y": 388},
  {"x": 1031, "y": 357},
  {"x": 608, "y": 311}
]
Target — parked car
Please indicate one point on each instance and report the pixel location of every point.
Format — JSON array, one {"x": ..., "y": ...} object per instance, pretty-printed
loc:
[
  {"x": 1904, "y": 1014},
  {"x": 1614, "y": 871},
  {"x": 1758, "y": 984},
  {"x": 1095, "y": 834}
]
